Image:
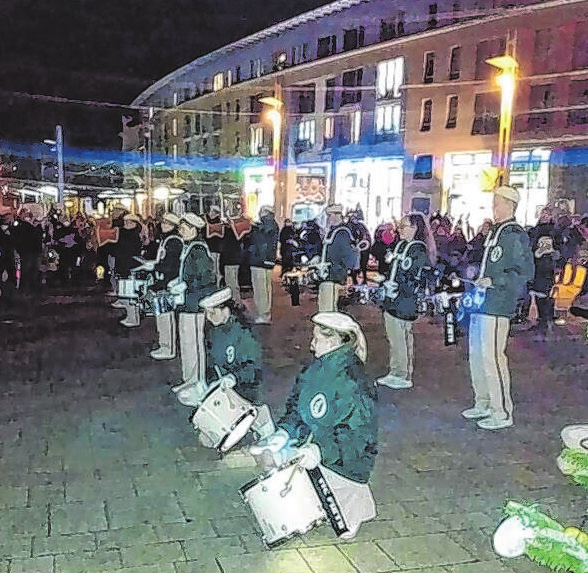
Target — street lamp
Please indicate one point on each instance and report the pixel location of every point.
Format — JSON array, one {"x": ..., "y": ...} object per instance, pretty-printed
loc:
[
  {"x": 275, "y": 116},
  {"x": 58, "y": 143},
  {"x": 506, "y": 80}
]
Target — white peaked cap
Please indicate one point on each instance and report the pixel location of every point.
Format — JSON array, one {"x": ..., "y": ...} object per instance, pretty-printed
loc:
[
  {"x": 216, "y": 298},
  {"x": 171, "y": 219},
  {"x": 343, "y": 323},
  {"x": 194, "y": 220}
]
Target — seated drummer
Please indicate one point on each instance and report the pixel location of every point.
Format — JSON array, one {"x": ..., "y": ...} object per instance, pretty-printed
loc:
[{"x": 331, "y": 417}]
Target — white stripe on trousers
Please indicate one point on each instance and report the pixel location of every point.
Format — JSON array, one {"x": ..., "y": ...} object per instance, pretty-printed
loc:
[{"x": 488, "y": 337}]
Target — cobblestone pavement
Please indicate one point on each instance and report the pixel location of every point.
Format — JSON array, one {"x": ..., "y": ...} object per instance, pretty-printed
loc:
[{"x": 100, "y": 469}]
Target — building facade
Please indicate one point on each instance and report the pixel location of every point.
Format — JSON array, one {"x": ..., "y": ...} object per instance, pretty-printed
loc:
[{"x": 386, "y": 105}]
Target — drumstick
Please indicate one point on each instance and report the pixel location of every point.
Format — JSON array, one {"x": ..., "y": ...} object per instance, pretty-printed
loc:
[{"x": 287, "y": 486}]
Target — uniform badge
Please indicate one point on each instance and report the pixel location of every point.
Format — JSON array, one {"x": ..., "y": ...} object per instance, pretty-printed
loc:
[
  {"x": 406, "y": 263},
  {"x": 318, "y": 405},
  {"x": 230, "y": 354},
  {"x": 496, "y": 253}
]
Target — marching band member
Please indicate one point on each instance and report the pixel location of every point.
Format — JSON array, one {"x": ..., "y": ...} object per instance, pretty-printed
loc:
[
  {"x": 196, "y": 280},
  {"x": 262, "y": 257},
  {"x": 331, "y": 421},
  {"x": 232, "y": 253},
  {"x": 338, "y": 257},
  {"x": 400, "y": 302},
  {"x": 214, "y": 234},
  {"x": 166, "y": 267},
  {"x": 507, "y": 266},
  {"x": 127, "y": 248}
]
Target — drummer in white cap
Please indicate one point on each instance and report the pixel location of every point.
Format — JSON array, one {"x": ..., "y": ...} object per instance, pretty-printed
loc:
[{"x": 331, "y": 419}]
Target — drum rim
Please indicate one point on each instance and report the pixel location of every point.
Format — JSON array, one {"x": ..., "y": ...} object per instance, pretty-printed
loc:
[
  {"x": 251, "y": 411},
  {"x": 267, "y": 474}
]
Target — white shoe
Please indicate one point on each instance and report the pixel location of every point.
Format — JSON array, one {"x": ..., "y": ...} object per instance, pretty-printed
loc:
[
  {"x": 350, "y": 534},
  {"x": 560, "y": 321},
  {"x": 128, "y": 323},
  {"x": 161, "y": 354},
  {"x": 262, "y": 321},
  {"x": 475, "y": 413},
  {"x": 395, "y": 382},
  {"x": 493, "y": 423},
  {"x": 118, "y": 304}
]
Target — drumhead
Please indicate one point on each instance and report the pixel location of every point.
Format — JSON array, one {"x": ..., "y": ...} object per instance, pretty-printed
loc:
[{"x": 239, "y": 429}]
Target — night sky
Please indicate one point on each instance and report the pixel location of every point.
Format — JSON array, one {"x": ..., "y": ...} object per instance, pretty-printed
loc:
[{"x": 108, "y": 51}]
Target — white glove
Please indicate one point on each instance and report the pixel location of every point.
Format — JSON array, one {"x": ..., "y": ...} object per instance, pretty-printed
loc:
[
  {"x": 388, "y": 257},
  {"x": 148, "y": 265},
  {"x": 273, "y": 443},
  {"x": 177, "y": 288},
  {"x": 228, "y": 381},
  {"x": 311, "y": 456}
]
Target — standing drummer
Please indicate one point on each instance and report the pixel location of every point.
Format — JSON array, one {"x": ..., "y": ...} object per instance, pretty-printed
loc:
[{"x": 331, "y": 419}]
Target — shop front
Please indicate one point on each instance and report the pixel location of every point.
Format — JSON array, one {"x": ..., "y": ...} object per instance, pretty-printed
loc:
[
  {"x": 258, "y": 188},
  {"x": 311, "y": 192}
]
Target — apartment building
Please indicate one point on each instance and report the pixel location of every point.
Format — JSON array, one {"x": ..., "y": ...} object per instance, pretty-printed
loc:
[{"x": 388, "y": 105}]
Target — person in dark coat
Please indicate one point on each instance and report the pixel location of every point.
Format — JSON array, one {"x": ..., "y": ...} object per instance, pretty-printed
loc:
[
  {"x": 288, "y": 244},
  {"x": 28, "y": 240}
]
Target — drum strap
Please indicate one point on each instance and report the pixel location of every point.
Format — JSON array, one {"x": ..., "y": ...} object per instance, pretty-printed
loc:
[{"x": 328, "y": 501}]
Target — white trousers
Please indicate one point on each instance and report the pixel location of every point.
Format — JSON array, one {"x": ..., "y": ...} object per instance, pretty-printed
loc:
[
  {"x": 232, "y": 280},
  {"x": 216, "y": 262},
  {"x": 192, "y": 351},
  {"x": 262, "y": 292},
  {"x": 400, "y": 335},
  {"x": 328, "y": 296},
  {"x": 488, "y": 337},
  {"x": 166, "y": 333}
]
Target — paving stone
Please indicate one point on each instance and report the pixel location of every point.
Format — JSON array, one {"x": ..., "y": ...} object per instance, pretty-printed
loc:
[
  {"x": 424, "y": 551},
  {"x": 12, "y": 496},
  {"x": 197, "y": 529},
  {"x": 63, "y": 544},
  {"x": 326, "y": 560},
  {"x": 390, "y": 511},
  {"x": 33, "y": 565},
  {"x": 367, "y": 557},
  {"x": 197, "y": 550},
  {"x": 99, "y": 490},
  {"x": 152, "y": 554},
  {"x": 467, "y": 520},
  {"x": 144, "y": 509},
  {"x": 417, "y": 526},
  {"x": 17, "y": 546},
  {"x": 477, "y": 542},
  {"x": 205, "y": 565},
  {"x": 27, "y": 521},
  {"x": 230, "y": 526},
  {"x": 78, "y": 517},
  {"x": 41, "y": 495},
  {"x": 88, "y": 562},
  {"x": 4, "y": 566},
  {"x": 268, "y": 562},
  {"x": 480, "y": 567}
]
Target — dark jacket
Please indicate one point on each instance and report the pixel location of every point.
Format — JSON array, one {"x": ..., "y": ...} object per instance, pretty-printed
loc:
[
  {"x": 168, "y": 265},
  {"x": 340, "y": 252},
  {"x": 128, "y": 246},
  {"x": 263, "y": 245},
  {"x": 333, "y": 399},
  {"x": 197, "y": 271},
  {"x": 232, "y": 250}
]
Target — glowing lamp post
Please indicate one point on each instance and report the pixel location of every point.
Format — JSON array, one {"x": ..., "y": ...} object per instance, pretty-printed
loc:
[
  {"x": 506, "y": 80},
  {"x": 275, "y": 116},
  {"x": 58, "y": 143}
]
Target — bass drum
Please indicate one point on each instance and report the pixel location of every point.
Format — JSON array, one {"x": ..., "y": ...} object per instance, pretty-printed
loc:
[
  {"x": 284, "y": 503},
  {"x": 223, "y": 418}
]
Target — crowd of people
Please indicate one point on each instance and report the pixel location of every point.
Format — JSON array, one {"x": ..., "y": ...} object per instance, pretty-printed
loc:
[{"x": 190, "y": 271}]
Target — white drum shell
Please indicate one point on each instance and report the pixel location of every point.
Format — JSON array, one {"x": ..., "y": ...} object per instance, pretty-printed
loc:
[
  {"x": 129, "y": 288},
  {"x": 224, "y": 417},
  {"x": 283, "y": 509}
]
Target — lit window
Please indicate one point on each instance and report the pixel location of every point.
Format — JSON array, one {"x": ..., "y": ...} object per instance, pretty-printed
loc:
[
  {"x": 256, "y": 140},
  {"x": 175, "y": 152},
  {"x": 355, "y": 126},
  {"x": 423, "y": 167},
  {"x": 329, "y": 127},
  {"x": 175, "y": 126},
  {"x": 175, "y": 99},
  {"x": 229, "y": 77},
  {"x": 306, "y": 131},
  {"x": 452, "y": 102},
  {"x": 390, "y": 77},
  {"x": 429, "y": 71},
  {"x": 388, "y": 118},
  {"x": 455, "y": 63},
  {"x": 218, "y": 82},
  {"x": 426, "y": 113}
]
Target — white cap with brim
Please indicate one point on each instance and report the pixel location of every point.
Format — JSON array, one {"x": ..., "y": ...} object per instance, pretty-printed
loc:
[
  {"x": 194, "y": 220},
  {"x": 336, "y": 208},
  {"x": 508, "y": 192},
  {"x": 216, "y": 298},
  {"x": 575, "y": 436},
  {"x": 131, "y": 217},
  {"x": 343, "y": 323},
  {"x": 171, "y": 219}
]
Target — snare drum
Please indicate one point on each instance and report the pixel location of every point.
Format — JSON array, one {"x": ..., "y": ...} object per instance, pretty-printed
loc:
[
  {"x": 284, "y": 503},
  {"x": 224, "y": 417},
  {"x": 129, "y": 288}
]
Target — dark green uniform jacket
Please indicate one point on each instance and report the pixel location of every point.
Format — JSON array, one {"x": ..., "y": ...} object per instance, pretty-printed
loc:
[
  {"x": 333, "y": 399},
  {"x": 233, "y": 349},
  {"x": 198, "y": 273},
  {"x": 508, "y": 261},
  {"x": 168, "y": 265},
  {"x": 339, "y": 251}
]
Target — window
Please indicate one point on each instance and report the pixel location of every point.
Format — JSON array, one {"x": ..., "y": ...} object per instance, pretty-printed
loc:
[
  {"x": 228, "y": 110},
  {"x": 187, "y": 149},
  {"x": 455, "y": 63},
  {"x": 543, "y": 51},
  {"x": 229, "y": 78},
  {"x": 237, "y": 142},
  {"x": 306, "y": 131},
  {"x": 432, "y": 22},
  {"x": 327, "y": 46},
  {"x": 429, "y": 67},
  {"x": 355, "y": 124},
  {"x": 456, "y": 9},
  {"x": 542, "y": 96},
  {"x": 238, "y": 74},
  {"x": 486, "y": 113},
  {"x": 175, "y": 99},
  {"x": 390, "y": 76},
  {"x": 387, "y": 30},
  {"x": 330, "y": 94},
  {"x": 175, "y": 126},
  {"x": 400, "y": 25},
  {"x": 218, "y": 82},
  {"x": 426, "y": 113},
  {"x": 299, "y": 53},
  {"x": 306, "y": 99},
  {"x": 353, "y": 39},
  {"x": 580, "y": 55},
  {"x": 388, "y": 119},
  {"x": 255, "y": 68},
  {"x": 578, "y": 94},
  {"x": 329, "y": 129},
  {"x": 452, "y": 102},
  {"x": 256, "y": 140},
  {"x": 237, "y": 110},
  {"x": 485, "y": 50},
  {"x": 351, "y": 79},
  {"x": 423, "y": 167},
  {"x": 255, "y": 107},
  {"x": 217, "y": 117},
  {"x": 175, "y": 152},
  {"x": 187, "y": 126}
]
